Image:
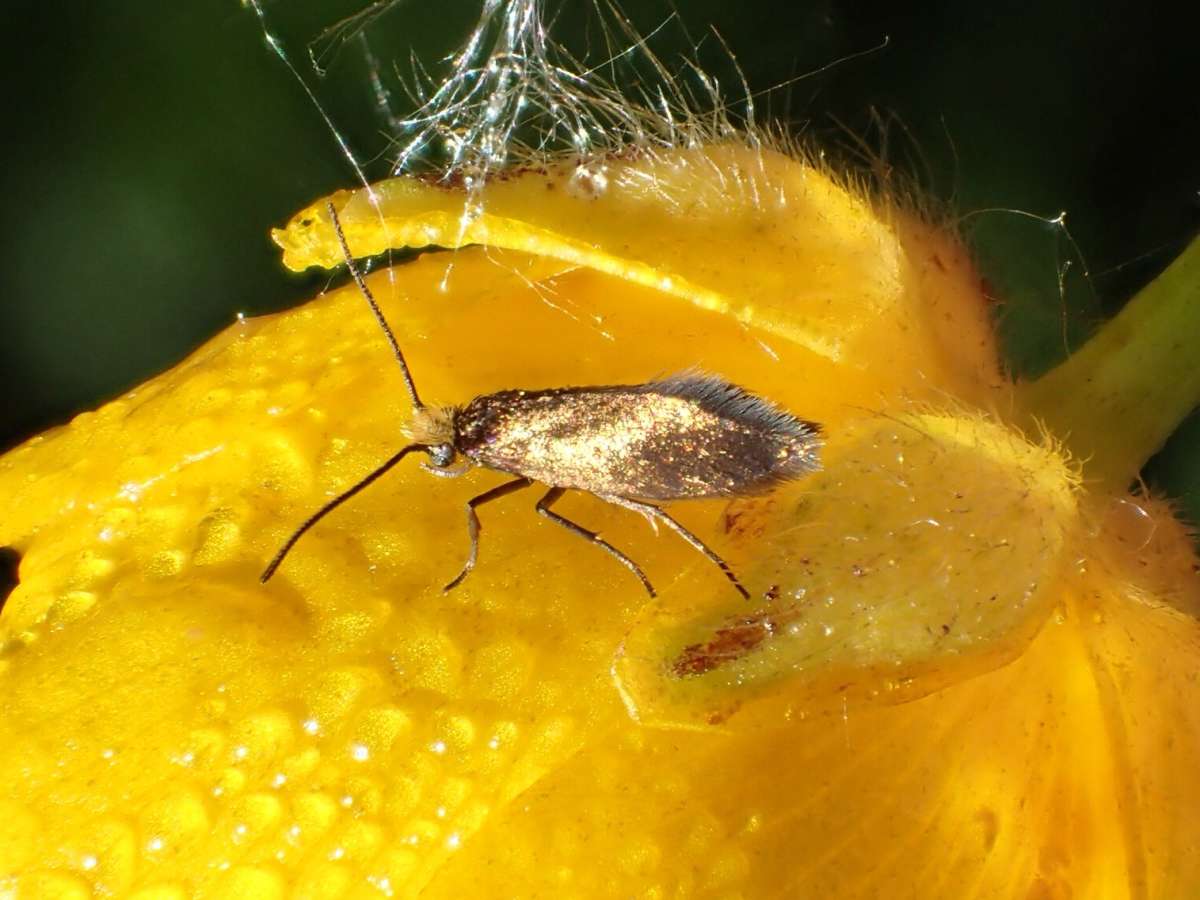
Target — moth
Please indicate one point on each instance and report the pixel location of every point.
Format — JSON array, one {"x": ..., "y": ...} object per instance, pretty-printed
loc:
[{"x": 686, "y": 437}]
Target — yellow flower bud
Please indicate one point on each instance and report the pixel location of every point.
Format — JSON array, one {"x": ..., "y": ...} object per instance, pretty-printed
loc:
[{"x": 966, "y": 668}]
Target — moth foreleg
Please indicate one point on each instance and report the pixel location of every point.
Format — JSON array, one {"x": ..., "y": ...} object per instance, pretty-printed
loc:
[
  {"x": 442, "y": 472},
  {"x": 473, "y": 526}
]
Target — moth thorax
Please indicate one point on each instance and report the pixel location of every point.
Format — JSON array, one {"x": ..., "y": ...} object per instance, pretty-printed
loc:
[{"x": 433, "y": 425}]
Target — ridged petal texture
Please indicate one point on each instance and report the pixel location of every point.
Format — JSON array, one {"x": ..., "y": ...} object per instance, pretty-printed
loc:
[{"x": 961, "y": 674}]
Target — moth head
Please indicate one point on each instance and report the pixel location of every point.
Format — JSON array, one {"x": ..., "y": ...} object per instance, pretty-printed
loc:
[
  {"x": 434, "y": 427},
  {"x": 441, "y": 455}
]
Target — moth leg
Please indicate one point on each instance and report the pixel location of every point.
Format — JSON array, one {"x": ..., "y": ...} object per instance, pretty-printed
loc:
[
  {"x": 442, "y": 472},
  {"x": 473, "y": 526},
  {"x": 543, "y": 508},
  {"x": 651, "y": 511}
]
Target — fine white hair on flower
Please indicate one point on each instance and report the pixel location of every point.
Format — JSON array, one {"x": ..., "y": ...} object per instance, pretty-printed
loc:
[
  {"x": 512, "y": 90},
  {"x": 511, "y": 95}
]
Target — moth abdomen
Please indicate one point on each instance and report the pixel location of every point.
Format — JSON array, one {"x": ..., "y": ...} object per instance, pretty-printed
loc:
[{"x": 688, "y": 436}]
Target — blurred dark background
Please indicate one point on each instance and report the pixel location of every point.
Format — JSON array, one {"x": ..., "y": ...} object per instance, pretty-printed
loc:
[{"x": 149, "y": 146}]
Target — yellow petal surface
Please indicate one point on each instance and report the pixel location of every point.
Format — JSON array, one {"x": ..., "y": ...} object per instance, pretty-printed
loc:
[
  {"x": 172, "y": 728},
  {"x": 746, "y": 232},
  {"x": 945, "y": 560}
]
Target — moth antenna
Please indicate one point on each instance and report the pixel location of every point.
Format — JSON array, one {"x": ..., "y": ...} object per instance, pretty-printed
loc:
[
  {"x": 334, "y": 504},
  {"x": 366, "y": 292}
]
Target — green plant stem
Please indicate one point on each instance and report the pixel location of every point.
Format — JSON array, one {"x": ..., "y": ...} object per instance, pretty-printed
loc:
[{"x": 1117, "y": 400}]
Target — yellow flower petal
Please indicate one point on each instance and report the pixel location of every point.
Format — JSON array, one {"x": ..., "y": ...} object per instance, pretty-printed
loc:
[
  {"x": 172, "y": 728},
  {"x": 929, "y": 548},
  {"x": 800, "y": 257}
]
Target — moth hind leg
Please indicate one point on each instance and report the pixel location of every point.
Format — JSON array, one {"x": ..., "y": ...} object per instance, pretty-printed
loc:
[
  {"x": 543, "y": 508},
  {"x": 654, "y": 512}
]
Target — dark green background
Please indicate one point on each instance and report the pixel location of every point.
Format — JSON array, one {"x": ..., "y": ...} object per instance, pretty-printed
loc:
[{"x": 149, "y": 146}]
